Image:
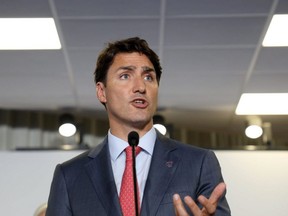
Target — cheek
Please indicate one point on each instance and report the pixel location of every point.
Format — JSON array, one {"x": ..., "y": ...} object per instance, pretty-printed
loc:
[
  {"x": 154, "y": 94},
  {"x": 116, "y": 96}
]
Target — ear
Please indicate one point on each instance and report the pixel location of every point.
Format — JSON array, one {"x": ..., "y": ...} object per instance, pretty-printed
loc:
[{"x": 100, "y": 91}]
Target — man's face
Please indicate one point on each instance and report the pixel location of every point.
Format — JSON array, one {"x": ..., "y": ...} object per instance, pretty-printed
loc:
[{"x": 131, "y": 91}]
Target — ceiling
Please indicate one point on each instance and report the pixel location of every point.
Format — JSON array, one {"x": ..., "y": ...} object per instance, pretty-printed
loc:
[{"x": 210, "y": 53}]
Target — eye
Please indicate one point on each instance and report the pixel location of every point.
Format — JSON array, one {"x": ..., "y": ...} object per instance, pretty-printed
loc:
[
  {"x": 124, "y": 76},
  {"x": 149, "y": 77}
]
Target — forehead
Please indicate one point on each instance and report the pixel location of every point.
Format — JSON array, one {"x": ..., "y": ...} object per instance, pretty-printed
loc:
[{"x": 135, "y": 58}]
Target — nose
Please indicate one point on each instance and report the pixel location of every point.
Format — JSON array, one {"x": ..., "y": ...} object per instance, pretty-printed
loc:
[{"x": 139, "y": 85}]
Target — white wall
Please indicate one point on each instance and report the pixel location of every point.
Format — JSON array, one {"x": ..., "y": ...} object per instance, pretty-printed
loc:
[
  {"x": 25, "y": 179},
  {"x": 256, "y": 180}
]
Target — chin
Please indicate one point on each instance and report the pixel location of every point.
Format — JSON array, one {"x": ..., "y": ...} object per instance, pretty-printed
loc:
[{"x": 141, "y": 123}]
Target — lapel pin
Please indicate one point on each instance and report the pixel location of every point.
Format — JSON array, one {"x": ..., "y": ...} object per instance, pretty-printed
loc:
[{"x": 169, "y": 164}]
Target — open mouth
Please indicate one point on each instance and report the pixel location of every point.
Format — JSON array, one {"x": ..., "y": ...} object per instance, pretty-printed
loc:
[{"x": 138, "y": 101}]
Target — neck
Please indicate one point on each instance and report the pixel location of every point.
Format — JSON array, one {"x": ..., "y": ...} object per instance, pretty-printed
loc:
[{"x": 122, "y": 131}]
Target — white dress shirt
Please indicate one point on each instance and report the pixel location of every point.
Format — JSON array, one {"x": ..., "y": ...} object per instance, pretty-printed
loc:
[{"x": 143, "y": 159}]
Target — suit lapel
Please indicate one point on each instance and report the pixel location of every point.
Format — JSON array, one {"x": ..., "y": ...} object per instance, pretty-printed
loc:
[
  {"x": 163, "y": 166},
  {"x": 100, "y": 172}
]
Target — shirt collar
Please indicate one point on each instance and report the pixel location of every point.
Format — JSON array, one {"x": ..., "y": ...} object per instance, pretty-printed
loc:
[{"x": 117, "y": 145}]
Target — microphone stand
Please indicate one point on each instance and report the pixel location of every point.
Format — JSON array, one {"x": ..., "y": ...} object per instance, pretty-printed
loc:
[
  {"x": 133, "y": 140},
  {"x": 135, "y": 181}
]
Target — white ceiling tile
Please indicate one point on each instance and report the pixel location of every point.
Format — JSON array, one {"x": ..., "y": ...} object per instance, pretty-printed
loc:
[
  {"x": 45, "y": 63},
  {"x": 275, "y": 83},
  {"x": 25, "y": 8},
  {"x": 36, "y": 91},
  {"x": 83, "y": 62},
  {"x": 98, "y": 8},
  {"x": 206, "y": 61},
  {"x": 272, "y": 61},
  {"x": 200, "y": 91},
  {"x": 213, "y": 31},
  {"x": 282, "y": 7},
  {"x": 210, "y": 7},
  {"x": 95, "y": 33}
]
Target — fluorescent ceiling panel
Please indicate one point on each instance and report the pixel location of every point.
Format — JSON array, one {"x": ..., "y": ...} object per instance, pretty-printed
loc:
[
  {"x": 277, "y": 33},
  {"x": 28, "y": 34},
  {"x": 263, "y": 104}
]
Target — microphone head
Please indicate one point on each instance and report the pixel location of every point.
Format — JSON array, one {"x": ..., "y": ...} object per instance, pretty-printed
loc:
[{"x": 133, "y": 138}]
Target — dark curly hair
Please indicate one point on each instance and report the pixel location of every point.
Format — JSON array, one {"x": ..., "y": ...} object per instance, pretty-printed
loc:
[{"x": 129, "y": 45}]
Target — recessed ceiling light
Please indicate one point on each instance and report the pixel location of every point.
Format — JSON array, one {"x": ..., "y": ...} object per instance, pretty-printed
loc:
[
  {"x": 277, "y": 33},
  {"x": 263, "y": 104},
  {"x": 28, "y": 34}
]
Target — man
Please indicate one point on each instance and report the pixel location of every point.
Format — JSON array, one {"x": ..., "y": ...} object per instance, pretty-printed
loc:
[{"x": 127, "y": 78}]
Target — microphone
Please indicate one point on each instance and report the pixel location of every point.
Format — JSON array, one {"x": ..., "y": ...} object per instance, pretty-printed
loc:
[{"x": 133, "y": 140}]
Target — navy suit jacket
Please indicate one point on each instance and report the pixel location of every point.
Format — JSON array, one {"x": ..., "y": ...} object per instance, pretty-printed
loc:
[{"x": 84, "y": 185}]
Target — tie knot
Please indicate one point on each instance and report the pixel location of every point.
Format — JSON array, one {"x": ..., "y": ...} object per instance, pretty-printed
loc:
[{"x": 128, "y": 152}]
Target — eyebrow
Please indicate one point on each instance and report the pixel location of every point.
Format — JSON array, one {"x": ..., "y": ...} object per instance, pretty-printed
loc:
[
  {"x": 148, "y": 69},
  {"x": 126, "y": 68},
  {"x": 131, "y": 67}
]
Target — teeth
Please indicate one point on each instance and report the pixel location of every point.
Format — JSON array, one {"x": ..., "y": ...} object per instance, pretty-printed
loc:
[{"x": 139, "y": 101}]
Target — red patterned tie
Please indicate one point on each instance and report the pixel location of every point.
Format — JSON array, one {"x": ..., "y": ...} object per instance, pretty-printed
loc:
[{"x": 127, "y": 199}]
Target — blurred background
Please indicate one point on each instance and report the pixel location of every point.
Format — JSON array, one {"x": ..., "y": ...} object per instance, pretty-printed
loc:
[{"x": 211, "y": 53}]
